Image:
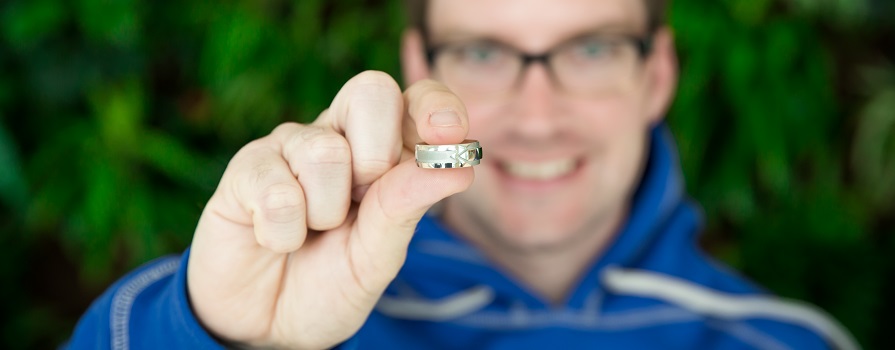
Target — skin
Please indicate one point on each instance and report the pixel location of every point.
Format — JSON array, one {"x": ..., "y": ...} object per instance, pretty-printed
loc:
[{"x": 310, "y": 224}]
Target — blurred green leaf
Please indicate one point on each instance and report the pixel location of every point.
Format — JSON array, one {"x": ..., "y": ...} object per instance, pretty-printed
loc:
[
  {"x": 119, "y": 110},
  {"x": 233, "y": 41},
  {"x": 13, "y": 188},
  {"x": 841, "y": 12},
  {"x": 873, "y": 155},
  {"x": 750, "y": 12},
  {"x": 24, "y": 24},
  {"x": 169, "y": 156},
  {"x": 116, "y": 22}
]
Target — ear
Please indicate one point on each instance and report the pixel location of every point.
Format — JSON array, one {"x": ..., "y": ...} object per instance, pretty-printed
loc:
[
  {"x": 663, "y": 71},
  {"x": 413, "y": 57}
]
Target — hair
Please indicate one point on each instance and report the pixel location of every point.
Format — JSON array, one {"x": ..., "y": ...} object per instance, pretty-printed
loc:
[{"x": 417, "y": 10}]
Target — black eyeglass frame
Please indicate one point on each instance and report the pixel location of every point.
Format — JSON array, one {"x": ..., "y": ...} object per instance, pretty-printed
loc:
[{"x": 643, "y": 44}]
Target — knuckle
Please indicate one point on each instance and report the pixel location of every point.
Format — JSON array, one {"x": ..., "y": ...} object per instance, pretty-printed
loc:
[
  {"x": 367, "y": 94},
  {"x": 251, "y": 149},
  {"x": 441, "y": 99},
  {"x": 282, "y": 203},
  {"x": 375, "y": 78},
  {"x": 248, "y": 165},
  {"x": 286, "y": 128},
  {"x": 261, "y": 171},
  {"x": 323, "y": 118},
  {"x": 371, "y": 85},
  {"x": 425, "y": 87},
  {"x": 434, "y": 97},
  {"x": 252, "y": 164},
  {"x": 328, "y": 148}
]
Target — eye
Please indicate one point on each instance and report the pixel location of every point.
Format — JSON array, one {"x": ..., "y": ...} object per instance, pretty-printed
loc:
[
  {"x": 482, "y": 54},
  {"x": 592, "y": 50}
]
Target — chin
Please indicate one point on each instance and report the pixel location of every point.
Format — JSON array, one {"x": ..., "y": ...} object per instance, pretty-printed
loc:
[
  {"x": 539, "y": 231},
  {"x": 537, "y": 240}
]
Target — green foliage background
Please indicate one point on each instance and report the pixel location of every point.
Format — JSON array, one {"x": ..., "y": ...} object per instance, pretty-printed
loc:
[{"x": 118, "y": 117}]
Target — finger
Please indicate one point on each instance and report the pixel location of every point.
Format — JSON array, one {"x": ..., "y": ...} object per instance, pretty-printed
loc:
[
  {"x": 435, "y": 115},
  {"x": 268, "y": 191},
  {"x": 390, "y": 212},
  {"x": 322, "y": 160},
  {"x": 368, "y": 110}
]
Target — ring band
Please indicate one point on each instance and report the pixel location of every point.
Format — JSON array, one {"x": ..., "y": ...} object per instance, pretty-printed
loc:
[{"x": 462, "y": 155}]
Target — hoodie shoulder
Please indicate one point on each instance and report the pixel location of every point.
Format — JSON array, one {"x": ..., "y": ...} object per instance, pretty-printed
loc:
[
  {"x": 745, "y": 314},
  {"x": 147, "y": 309}
]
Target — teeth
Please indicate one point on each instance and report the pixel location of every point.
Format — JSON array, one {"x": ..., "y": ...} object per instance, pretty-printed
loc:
[{"x": 540, "y": 171}]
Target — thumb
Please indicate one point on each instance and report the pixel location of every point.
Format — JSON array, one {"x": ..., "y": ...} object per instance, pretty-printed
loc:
[{"x": 390, "y": 211}]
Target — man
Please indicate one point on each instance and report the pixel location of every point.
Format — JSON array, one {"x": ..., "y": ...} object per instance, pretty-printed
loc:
[{"x": 575, "y": 231}]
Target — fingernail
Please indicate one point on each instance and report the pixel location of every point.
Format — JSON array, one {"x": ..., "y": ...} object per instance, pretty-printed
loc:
[
  {"x": 357, "y": 194},
  {"x": 444, "y": 118}
]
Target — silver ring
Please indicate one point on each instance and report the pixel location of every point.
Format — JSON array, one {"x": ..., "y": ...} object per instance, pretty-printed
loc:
[{"x": 462, "y": 155}]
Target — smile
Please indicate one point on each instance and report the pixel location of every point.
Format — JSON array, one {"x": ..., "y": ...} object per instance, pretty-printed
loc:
[{"x": 540, "y": 170}]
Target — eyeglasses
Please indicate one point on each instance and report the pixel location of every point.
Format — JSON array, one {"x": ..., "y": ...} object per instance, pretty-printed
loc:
[{"x": 589, "y": 65}]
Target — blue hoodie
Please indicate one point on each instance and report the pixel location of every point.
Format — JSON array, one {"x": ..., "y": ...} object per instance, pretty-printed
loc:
[{"x": 652, "y": 289}]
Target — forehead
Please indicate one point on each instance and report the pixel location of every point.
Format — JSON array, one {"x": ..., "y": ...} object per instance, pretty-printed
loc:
[{"x": 532, "y": 24}]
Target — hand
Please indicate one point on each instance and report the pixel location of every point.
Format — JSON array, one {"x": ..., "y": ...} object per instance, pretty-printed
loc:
[{"x": 310, "y": 223}]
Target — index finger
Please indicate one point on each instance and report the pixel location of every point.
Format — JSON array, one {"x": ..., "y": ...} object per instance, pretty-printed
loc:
[
  {"x": 368, "y": 110},
  {"x": 435, "y": 115}
]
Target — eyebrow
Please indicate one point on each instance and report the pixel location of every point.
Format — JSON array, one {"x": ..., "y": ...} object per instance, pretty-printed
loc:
[
  {"x": 461, "y": 37},
  {"x": 613, "y": 29}
]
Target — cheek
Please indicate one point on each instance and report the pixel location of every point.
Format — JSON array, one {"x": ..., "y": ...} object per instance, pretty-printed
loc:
[
  {"x": 610, "y": 119},
  {"x": 482, "y": 120},
  {"x": 617, "y": 130}
]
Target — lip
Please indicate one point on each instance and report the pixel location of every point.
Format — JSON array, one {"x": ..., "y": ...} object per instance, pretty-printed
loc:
[{"x": 516, "y": 184}]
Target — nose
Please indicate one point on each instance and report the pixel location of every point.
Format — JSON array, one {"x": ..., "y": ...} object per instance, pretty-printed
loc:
[{"x": 536, "y": 105}]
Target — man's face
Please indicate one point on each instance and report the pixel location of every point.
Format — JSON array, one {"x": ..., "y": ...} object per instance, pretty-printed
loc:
[{"x": 562, "y": 157}]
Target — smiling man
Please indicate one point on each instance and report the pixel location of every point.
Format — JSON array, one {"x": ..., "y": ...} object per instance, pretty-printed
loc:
[
  {"x": 563, "y": 96},
  {"x": 574, "y": 232}
]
